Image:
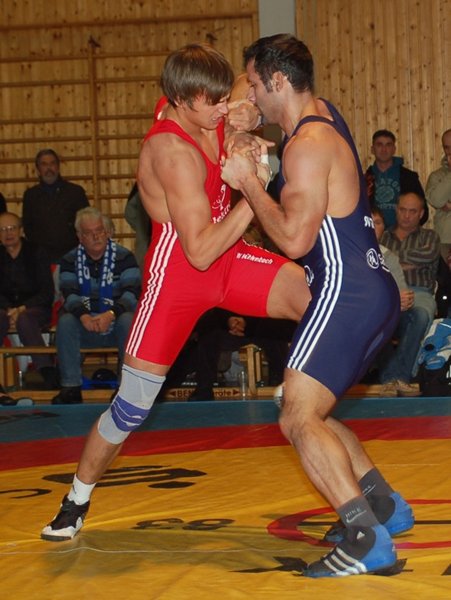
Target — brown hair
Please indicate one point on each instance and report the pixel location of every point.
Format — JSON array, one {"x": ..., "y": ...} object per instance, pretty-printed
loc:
[{"x": 196, "y": 70}]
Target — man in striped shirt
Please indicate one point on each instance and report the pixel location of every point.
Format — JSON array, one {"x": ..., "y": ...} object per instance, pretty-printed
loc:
[{"x": 418, "y": 250}]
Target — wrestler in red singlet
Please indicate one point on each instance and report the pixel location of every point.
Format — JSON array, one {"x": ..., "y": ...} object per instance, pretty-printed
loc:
[{"x": 175, "y": 294}]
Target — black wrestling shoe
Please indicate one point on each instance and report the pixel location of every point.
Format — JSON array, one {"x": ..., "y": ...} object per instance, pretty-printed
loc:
[
  {"x": 392, "y": 512},
  {"x": 67, "y": 523},
  {"x": 363, "y": 550}
]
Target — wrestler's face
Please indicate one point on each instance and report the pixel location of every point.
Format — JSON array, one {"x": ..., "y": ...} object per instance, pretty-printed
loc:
[
  {"x": 207, "y": 116},
  {"x": 409, "y": 212},
  {"x": 258, "y": 94}
]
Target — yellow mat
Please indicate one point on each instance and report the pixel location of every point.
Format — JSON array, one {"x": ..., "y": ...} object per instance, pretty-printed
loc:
[{"x": 219, "y": 524}]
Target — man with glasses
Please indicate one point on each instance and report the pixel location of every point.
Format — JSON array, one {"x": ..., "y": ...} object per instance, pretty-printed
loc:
[
  {"x": 26, "y": 291},
  {"x": 100, "y": 283}
]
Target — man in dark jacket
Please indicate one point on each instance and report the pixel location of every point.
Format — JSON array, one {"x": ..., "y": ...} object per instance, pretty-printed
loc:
[
  {"x": 390, "y": 177},
  {"x": 26, "y": 291},
  {"x": 49, "y": 208}
]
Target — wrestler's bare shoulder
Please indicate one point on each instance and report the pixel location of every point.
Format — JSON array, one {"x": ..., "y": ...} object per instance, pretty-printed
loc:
[{"x": 168, "y": 149}]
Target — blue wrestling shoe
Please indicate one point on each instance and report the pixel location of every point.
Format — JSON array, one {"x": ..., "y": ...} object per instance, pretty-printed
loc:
[
  {"x": 363, "y": 550},
  {"x": 392, "y": 512}
]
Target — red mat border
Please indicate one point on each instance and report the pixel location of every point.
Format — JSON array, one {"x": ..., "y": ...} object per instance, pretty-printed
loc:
[{"x": 15, "y": 455}]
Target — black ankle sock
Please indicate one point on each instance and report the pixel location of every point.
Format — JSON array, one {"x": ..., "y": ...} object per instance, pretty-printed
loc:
[
  {"x": 373, "y": 483},
  {"x": 357, "y": 513}
]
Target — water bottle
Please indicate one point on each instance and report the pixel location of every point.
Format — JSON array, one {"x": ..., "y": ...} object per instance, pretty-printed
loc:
[{"x": 242, "y": 379}]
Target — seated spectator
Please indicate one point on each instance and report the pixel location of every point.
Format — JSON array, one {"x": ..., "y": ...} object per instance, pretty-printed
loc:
[
  {"x": 219, "y": 330},
  {"x": 418, "y": 251},
  {"x": 2, "y": 203},
  {"x": 49, "y": 208},
  {"x": 390, "y": 178},
  {"x": 438, "y": 192},
  {"x": 100, "y": 283},
  {"x": 26, "y": 292}
]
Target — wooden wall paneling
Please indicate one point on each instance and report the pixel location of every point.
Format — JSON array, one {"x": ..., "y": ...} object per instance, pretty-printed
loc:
[
  {"x": 306, "y": 24},
  {"x": 345, "y": 94},
  {"x": 322, "y": 75},
  {"x": 441, "y": 74},
  {"x": 93, "y": 104},
  {"x": 93, "y": 112},
  {"x": 401, "y": 59},
  {"x": 415, "y": 118},
  {"x": 423, "y": 134},
  {"x": 393, "y": 78},
  {"x": 401, "y": 73},
  {"x": 438, "y": 68},
  {"x": 362, "y": 72},
  {"x": 335, "y": 53}
]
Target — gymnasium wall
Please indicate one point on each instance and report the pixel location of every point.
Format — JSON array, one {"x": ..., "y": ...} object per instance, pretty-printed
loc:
[
  {"x": 82, "y": 77},
  {"x": 387, "y": 65}
]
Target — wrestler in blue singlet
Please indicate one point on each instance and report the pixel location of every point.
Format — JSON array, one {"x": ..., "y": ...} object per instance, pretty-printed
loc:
[{"x": 355, "y": 301}]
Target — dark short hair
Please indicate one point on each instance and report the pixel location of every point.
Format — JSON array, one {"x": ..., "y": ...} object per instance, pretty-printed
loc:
[
  {"x": 45, "y": 152},
  {"x": 194, "y": 71},
  {"x": 376, "y": 210},
  {"x": 422, "y": 199},
  {"x": 285, "y": 53},
  {"x": 384, "y": 133}
]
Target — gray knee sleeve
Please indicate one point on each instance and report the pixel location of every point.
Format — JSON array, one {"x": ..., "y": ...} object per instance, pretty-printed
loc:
[{"x": 131, "y": 405}]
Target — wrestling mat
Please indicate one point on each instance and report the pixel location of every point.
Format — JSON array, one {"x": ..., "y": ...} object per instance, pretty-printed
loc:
[{"x": 208, "y": 501}]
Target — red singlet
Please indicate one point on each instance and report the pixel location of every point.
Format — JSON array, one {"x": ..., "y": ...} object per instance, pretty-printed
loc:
[{"x": 175, "y": 294}]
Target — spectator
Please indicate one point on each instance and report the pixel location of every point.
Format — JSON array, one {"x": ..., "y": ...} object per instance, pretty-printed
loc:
[
  {"x": 390, "y": 178},
  {"x": 2, "y": 203},
  {"x": 438, "y": 192},
  {"x": 418, "y": 250},
  {"x": 100, "y": 283},
  {"x": 49, "y": 207},
  {"x": 220, "y": 330},
  {"x": 399, "y": 361},
  {"x": 26, "y": 292}
]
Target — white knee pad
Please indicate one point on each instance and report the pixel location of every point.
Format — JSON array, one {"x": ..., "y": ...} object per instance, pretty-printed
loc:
[{"x": 131, "y": 405}]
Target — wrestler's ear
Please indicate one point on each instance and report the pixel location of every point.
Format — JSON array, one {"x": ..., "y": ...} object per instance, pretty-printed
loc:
[{"x": 278, "y": 80}]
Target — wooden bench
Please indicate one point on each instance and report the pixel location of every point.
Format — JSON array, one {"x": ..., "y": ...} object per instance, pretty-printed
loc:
[
  {"x": 7, "y": 352},
  {"x": 250, "y": 356}
]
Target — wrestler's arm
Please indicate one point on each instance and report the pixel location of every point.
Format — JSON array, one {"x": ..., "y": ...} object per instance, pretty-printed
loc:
[
  {"x": 293, "y": 225},
  {"x": 181, "y": 171}
]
